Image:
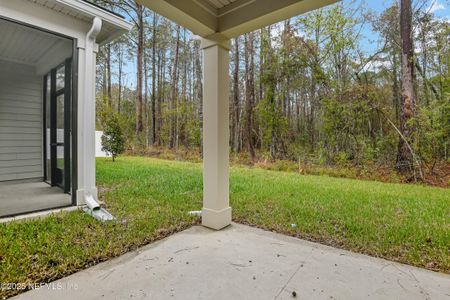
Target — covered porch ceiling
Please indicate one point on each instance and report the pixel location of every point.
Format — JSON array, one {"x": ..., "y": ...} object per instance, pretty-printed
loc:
[
  {"x": 230, "y": 18},
  {"x": 30, "y": 46}
]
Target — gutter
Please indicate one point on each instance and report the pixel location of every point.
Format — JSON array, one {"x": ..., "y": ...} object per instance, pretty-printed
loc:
[{"x": 91, "y": 10}]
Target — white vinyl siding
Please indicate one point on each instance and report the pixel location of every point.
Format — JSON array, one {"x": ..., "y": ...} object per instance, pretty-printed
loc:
[{"x": 21, "y": 106}]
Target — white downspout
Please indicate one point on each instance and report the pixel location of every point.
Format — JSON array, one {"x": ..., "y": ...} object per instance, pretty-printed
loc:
[
  {"x": 88, "y": 133},
  {"x": 89, "y": 186},
  {"x": 91, "y": 36}
]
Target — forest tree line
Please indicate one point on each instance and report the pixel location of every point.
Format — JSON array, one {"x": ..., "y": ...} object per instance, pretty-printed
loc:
[{"x": 304, "y": 89}]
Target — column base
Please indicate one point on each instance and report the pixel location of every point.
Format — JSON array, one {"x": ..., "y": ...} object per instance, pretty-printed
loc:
[
  {"x": 81, "y": 194},
  {"x": 216, "y": 219}
]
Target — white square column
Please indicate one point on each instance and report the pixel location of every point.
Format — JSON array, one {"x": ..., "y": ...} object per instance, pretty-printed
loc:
[
  {"x": 87, "y": 54},
  {"x": 216, "y": 213}
]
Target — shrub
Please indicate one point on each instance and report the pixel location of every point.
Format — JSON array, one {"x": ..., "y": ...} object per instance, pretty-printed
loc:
[{"x": 113, "y": 140}]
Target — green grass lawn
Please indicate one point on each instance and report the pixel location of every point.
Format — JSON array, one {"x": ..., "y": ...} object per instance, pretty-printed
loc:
[{"x": 151, "y": 198}]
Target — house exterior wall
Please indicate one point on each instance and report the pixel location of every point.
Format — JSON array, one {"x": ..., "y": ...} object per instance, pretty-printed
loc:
[
  {"x": 21, "y": 145},
  {"x": 43, "y": 18},
  {"x": 87, "y": 26}
]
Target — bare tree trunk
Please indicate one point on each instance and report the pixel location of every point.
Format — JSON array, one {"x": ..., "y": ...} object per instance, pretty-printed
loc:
[
  {"x": 162, "y": 94},
  {"x": 261, "y": 65},
  {"x": 105, "y": 79},
  {"x": 182, "y": 127},
  {"x": 108, "y": 71},
  {"x": 395, "y": 87},
  {"x": 146, "y": 116},
  {"x": 154, "y": 79},
  {"x": 139, "y": 65},
  {"x": 236, "y": 108},
  {"x": 249, "y": 93},
  {"x": 159, "y": 99},
  {"x": 199, "y": 90},
  {"x": 424, "y": 32},
  {"x": 174, "y": 94},
  {"x": 286, "y": 42},
  {"x": 120, "y": 67},
  {"x": 404, "y": 156}
]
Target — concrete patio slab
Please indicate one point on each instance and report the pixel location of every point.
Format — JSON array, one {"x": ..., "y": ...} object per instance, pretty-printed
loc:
[
  {"x": 241, "y": 262},
  {"x": 23, "y": 197}
]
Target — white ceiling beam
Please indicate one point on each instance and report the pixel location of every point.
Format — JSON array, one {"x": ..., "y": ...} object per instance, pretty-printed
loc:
[
  {"x": 260, "y": 13},
  {"x": 206, "y": 18},
  {"x": 187, "y": 13}
]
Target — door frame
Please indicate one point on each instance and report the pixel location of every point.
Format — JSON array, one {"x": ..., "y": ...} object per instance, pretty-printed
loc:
[{"x": 69, "y": 108}]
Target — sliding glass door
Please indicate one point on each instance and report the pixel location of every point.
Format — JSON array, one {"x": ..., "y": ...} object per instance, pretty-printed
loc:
[{"x": 58, "y": 126}]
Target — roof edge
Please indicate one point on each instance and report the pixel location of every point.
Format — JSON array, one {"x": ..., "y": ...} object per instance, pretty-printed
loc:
[
  {"x": 104, "y": 8},
  {"x": 89, "y": 9}
]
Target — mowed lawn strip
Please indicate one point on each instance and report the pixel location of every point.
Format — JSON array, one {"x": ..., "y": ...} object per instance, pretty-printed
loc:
[{"x": 150, "y": 199}]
